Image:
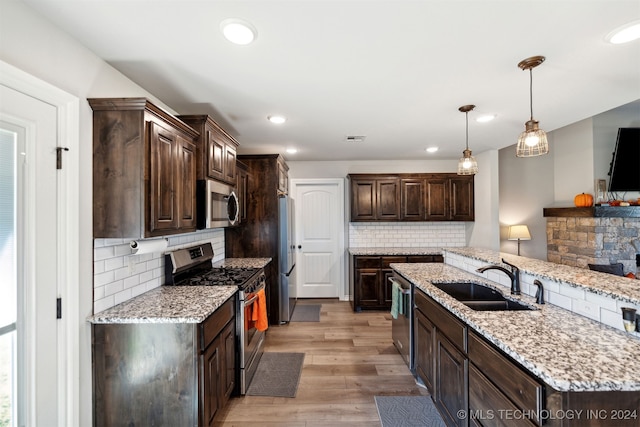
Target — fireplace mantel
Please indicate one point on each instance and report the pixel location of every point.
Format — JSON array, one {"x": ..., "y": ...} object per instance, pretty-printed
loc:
[{"x": 594, "y": 212}]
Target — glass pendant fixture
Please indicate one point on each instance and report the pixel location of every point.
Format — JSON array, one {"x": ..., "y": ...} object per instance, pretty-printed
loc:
[
  {"x": 467, "y": 164},
  {"x": 533, "y": 141}
]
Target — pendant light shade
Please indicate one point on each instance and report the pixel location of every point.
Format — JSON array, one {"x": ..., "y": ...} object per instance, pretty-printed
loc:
[
  {"x": 467, "y": 164},
  {"x": 533, "y": 141}
]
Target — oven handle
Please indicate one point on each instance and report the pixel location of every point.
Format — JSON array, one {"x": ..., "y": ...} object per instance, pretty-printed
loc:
[{"x": 250, "y": 301}]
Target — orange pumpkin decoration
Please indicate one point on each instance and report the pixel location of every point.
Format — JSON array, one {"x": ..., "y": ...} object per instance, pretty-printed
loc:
[{"x": 583, "y": 200}]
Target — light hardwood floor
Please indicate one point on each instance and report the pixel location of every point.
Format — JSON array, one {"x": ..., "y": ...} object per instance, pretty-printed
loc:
[{"x": 349, "y": 359}]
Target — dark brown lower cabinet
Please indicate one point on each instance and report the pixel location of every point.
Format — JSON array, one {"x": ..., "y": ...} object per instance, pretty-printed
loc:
[
  {"x": 164, "y": 374},
  {"x": 451, "y": 381},
  {"x": 424, "y": 338},
  {"x": 369, "y": 282},
  {"x": 473, "y": 383}
]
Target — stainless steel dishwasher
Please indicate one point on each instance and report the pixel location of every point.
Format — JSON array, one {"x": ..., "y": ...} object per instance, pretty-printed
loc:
[{"x": 402, "y": 326}]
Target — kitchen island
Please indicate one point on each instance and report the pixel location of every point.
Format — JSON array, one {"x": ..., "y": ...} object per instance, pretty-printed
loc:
[{"x": 578, "y": 363}]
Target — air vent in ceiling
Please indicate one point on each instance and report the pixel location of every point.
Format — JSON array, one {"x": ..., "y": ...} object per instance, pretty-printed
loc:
[{"x": 355, "y": 138}]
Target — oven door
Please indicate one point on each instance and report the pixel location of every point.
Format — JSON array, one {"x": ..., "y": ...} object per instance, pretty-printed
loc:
[
  {"x": 217, "y": 204},
  {"x": 251, "y": 340}
]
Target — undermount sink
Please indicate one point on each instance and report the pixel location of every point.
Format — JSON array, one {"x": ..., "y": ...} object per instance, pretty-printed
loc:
[{"x": 479, "y": 297}]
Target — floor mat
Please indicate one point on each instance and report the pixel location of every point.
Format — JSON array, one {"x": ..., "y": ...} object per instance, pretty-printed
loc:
[
  {"x": 408, "y": 411},
  {"x": 278, "y": 374},
  {"x": 306, "y": 313}
]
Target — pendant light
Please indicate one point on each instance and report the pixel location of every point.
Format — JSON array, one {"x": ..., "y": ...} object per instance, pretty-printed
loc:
[
  {"x": 533, "y": 141},
  {"x": 467, "y": 164}
]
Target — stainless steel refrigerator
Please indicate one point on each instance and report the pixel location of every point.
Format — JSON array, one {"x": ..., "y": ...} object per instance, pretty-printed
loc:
[{"x": 287, "y": 258}]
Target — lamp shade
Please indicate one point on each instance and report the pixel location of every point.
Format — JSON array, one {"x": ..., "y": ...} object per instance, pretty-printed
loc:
[{"x": 519, "y": 232}]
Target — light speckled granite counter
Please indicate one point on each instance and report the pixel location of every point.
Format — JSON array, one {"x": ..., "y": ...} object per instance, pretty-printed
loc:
[
  {"x": 567, "y": 351},
  {"x": 621, "y": 288},
  {"x": 168, "y": 304},
  {"x": 395, "y": 251},
  {"x": 242, "y": 263}
]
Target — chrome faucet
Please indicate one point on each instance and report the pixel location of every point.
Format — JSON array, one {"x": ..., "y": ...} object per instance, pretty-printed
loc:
[{"x": 514, "y": 275}]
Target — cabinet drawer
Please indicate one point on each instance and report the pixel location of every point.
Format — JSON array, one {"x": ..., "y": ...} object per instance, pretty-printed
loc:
[
  {"x": 386, "y": 260},
  {"x": 213, "y": 325},
  {"x": 368, "y": 262},
  {"x": 487, "y": 404},
  {"x": 523, "y": 390},
  {"x": 451, "y": 327}
]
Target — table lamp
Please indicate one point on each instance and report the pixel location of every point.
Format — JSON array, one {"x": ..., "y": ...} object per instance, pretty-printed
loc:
[{"x": 519, "y": 232}]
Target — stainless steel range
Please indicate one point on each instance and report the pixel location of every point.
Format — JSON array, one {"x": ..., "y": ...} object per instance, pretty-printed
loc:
[{"x": 193, "y": 267}]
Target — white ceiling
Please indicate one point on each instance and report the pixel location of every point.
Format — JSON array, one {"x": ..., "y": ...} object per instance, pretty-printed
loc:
[{"x": 395, "y": 71}]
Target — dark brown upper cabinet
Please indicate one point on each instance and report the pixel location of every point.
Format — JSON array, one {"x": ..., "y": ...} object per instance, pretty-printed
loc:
[
  {"x": 412, "y": 197},
  {"x": 144, "y": 170},
  {"x": 216, "y": 150}
]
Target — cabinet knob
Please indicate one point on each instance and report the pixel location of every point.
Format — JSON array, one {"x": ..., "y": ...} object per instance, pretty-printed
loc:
[{"x": 299, "y": 246}]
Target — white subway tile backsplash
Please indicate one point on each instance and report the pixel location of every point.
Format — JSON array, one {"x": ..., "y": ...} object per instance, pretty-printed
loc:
[
  {"x": 389, "y": 235},
  {"x": 602, "y": 301},
  {"x": 122, "y": 296},
  {"x": 587, "y": 309},
  {"x": 572, "y": 292},
  {"x": 103, "y": 278},
  {"x": 103, "y": 304},
  {"x": 559, "y": 300},
  {"x": 120, "y": 275},
  {"x": 102, "y": 253}
]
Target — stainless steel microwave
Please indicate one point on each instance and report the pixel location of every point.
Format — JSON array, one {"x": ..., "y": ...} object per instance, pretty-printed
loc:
[{"x": 217, "y": 204}]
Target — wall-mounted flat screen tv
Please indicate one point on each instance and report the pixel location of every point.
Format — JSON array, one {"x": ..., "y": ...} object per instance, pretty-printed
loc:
[{"x": 624, "y": 171}]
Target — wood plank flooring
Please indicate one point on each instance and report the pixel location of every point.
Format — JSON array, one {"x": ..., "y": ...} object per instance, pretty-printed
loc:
[{"x": 349, "y": 359}]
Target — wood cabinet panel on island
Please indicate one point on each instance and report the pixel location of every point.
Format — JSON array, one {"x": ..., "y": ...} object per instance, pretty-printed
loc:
[
  {"x": 169, "y": 374},
  {"x": 465, "y": 372},
  {"x": 144, "y": 170},
  {"x": 412, "y": 197}
]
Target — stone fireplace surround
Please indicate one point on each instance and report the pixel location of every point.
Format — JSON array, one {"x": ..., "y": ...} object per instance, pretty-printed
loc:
[{"x": 594, "y": 235}]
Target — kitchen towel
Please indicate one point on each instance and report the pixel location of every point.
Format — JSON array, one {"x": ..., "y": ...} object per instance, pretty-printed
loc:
[
  {"x": 396, "y": 299},
  {"x": 259, "y": 314}
]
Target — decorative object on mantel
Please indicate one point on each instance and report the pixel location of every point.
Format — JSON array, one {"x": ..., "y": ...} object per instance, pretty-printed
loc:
[
  {"x": 583, "y": 200},
  {"x": 533, "y": 141},
  {"x": 519, "y": 232},
  {"x": 467, "y": 165}
]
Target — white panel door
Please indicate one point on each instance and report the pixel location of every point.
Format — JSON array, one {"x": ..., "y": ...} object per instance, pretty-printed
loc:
[
  {"x": 319, "y": 237},
  {"x": 28, "y": 254}
]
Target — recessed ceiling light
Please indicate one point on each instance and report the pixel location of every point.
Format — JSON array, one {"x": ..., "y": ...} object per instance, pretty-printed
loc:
[
  {"x": 431, "y": 149},
  {"x": 238, "y": 31},
  {"x": 626, "y": 33},
  {"x": 484, "y": 118},
  {"x": 292, "y": 150},
  {"x": 278, "y": 120}
]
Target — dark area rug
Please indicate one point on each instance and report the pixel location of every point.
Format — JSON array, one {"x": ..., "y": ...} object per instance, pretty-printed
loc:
[
  {"x": 278, "y": 375},
  {"x": 306, "y": 313},
  {"x": 408, "y": 411}
]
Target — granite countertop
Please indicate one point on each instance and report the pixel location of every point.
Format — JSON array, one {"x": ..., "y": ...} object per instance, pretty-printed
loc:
[
  {"x": 168, "y": 304},
  {"x": 242, "y": 263},
  {"x": 565, "y": 350},
  {"x": 395, "y": 251},
  {"x": 621, "y": 288}
]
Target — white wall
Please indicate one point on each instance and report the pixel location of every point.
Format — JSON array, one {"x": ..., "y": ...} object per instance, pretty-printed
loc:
[
  {"x": 526, "y": 187},
  {"x": 572, "y": 151},
  {"x": 32, "y": 44}
]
